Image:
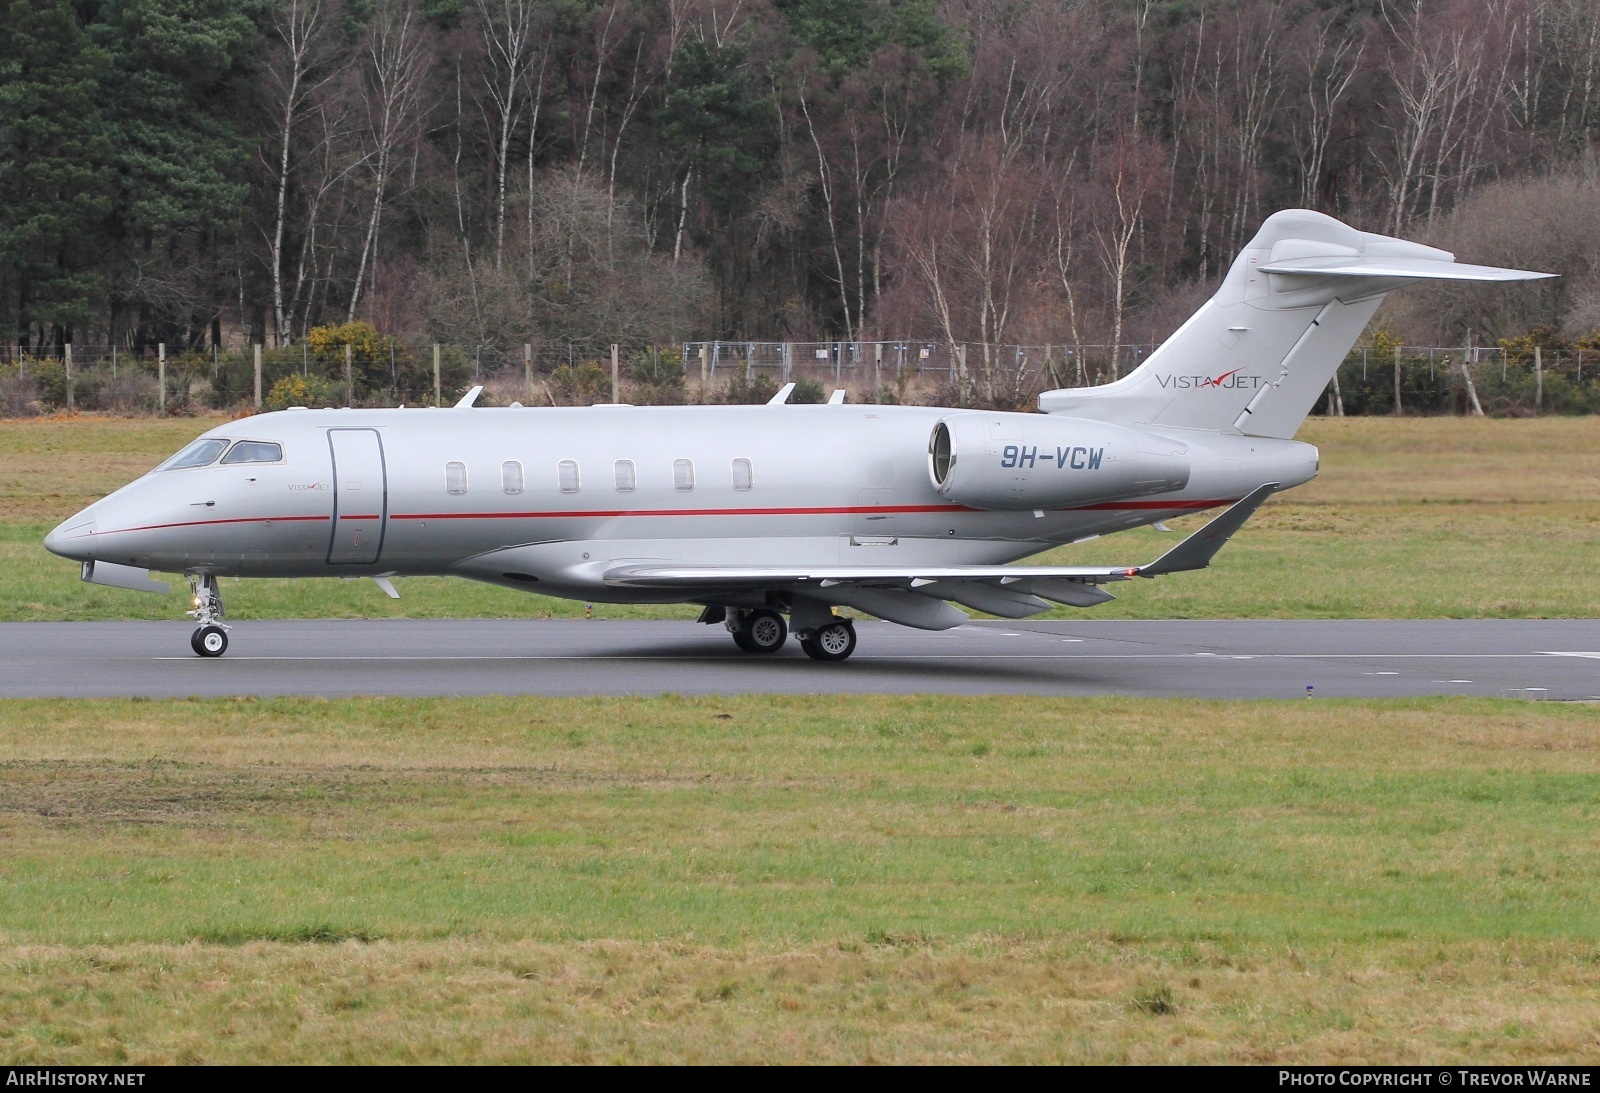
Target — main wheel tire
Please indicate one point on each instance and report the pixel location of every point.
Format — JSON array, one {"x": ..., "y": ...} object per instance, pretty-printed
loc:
[
  {"x": 835, "y": 641},
  {"x": 761, "y": 631},
  {"x": 209, "y": 641}
]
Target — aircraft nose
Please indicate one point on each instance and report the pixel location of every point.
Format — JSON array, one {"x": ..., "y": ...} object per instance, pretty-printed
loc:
[{"x": 73, "y": 538}]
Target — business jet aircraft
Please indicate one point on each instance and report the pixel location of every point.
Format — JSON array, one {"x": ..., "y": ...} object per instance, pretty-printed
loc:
[{"x": 762, "y": 512}]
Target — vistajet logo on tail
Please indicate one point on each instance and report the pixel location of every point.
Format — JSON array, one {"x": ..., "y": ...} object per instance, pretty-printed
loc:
[{"x": 1229, "y": 380}]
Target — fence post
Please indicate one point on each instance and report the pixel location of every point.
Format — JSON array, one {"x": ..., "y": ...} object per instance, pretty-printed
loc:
[
  {"x": 788, "y": 360},
  {"x": 436, "y": 373},
  {"x": 66, "y": 364},
  {"x": 877, "y": 369},
  {"x": 1538, "y": 380},
  {"x": 161, "y": 379},
  {"x": 616, "y": 389},
  {"x": 349, "y": 379},
  {"x": 1397, "y": 381},
  {"x": 705, "y": 370},
  {"x": 527, "y": 372},
  {"x": 256, "y": 353},
  {"x": 1472, "y": 392}
]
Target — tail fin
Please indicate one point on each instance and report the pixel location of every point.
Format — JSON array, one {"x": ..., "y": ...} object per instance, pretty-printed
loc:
[{"x": 1259, "y": 354}]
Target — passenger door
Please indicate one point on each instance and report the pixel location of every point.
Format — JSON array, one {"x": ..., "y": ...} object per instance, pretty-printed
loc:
[{"x": 360, "y": 496}]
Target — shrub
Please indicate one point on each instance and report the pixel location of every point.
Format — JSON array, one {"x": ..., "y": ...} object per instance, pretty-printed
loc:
[
  {"x": 808, "y": 391},
  {"x": 297, "y": 390},
  {"x": 581, "y": 384}
]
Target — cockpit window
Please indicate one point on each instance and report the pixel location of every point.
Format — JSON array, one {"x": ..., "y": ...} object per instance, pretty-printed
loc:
[
  {"x": 254, "y": 451},
  {"x": 198, "y": 454}
]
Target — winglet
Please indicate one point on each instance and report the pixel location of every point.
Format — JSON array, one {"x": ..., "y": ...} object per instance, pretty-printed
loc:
[
  {"x": 1197, "y": 550},
  {"x": 782, "y": 396},
  {"x": 469, "y": 398}
]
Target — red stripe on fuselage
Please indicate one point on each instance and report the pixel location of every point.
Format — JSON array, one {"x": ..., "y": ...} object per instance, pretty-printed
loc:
[
  {"x": 208, "y": 523},
  {"x": 578, "y": 515},
  {"x": 1109, "y": 506}
]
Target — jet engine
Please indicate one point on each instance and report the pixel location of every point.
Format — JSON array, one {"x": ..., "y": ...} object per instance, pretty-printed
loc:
[{"x": 1036, "y": 461}]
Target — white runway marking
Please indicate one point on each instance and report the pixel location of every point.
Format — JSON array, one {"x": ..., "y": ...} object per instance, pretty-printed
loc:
[{"x": 910, "y": 656}]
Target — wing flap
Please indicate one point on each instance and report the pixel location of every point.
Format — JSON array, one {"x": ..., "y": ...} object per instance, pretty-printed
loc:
[{"x": 1009, "y": 587}]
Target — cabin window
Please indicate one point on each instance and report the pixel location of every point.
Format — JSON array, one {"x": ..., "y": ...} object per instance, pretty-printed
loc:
[
  {"x": 683, "y": 475},
  {"x": 511, "y": 476},
  {"x": 254, "y": 451},
  {"x": 197, "y": 454},
  {"x": 567, "y": 475},
  {"x": 743, "y": 474},
  {"x": 455, "y": 477},
  {"x": 627, "y": 479}
]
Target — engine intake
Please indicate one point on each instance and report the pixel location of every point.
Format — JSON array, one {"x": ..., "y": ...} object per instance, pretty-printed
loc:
[{"x": 1034, "y": 461}]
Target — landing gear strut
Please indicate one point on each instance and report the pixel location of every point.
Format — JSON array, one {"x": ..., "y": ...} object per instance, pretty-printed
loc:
[
  {"x": 758, "y": 631},
  {"x": 210, "y": 639}
]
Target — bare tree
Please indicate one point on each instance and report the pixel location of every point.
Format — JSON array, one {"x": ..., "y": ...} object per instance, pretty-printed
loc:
[
  {"x": 1329, "y": 59},
  {"x": 1127, "y": 174},
  {"x": 396, "y": 56},
  {"x": 1573, "y": 34},
  {"x": 511, "y": 32},
  {"x": 1437, "y": 66},
  {"x": 298, "y": 67}
]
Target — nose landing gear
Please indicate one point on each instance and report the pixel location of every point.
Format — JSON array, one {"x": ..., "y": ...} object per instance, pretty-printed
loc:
[{"x": 210, "y": 639}]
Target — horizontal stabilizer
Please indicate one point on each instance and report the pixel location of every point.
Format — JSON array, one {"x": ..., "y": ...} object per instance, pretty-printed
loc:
[{"x": 1421, "y": 269}]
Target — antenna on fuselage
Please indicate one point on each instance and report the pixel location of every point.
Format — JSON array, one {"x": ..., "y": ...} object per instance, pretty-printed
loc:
[
  {"x": 469, "y": 398},
  {"x": 782, "y": 396}
]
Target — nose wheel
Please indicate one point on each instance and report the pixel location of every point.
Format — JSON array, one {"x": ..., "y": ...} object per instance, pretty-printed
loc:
[{"x": 210, "y": 639}]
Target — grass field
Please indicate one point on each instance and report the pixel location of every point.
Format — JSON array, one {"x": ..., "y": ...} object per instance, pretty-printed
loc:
[
  {"x": 1411, "y": 518},
  {"x": 798, "y": 879},
  {"x": 831, "y": 879}
]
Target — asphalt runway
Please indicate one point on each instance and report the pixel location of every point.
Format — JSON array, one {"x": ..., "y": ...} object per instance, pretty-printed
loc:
[{"x": 1531, "y": 659}]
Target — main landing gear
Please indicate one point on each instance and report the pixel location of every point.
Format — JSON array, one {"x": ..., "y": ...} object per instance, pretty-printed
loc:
[
  {"x": 210, "y": 639},
  {"x": 759, "y": 631},
  {"x": 834, "y": 641},
  {"x": 762, "y": 630}
]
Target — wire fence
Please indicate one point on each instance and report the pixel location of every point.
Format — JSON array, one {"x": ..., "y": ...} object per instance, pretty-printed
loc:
[{"x": 392, "y": 371}]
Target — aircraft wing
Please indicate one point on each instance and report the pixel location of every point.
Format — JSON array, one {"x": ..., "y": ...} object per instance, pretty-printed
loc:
[{"x": 908, "y": 594}]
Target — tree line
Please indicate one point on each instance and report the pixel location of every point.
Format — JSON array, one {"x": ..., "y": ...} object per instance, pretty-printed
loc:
[{"x": 984, "y": 172}]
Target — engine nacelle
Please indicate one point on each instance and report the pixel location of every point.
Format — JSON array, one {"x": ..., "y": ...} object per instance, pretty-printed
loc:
[{"x": 1037, "y": 461}]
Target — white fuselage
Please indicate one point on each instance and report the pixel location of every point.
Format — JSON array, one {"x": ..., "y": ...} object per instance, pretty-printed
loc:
[{"x": 536, "y": 498}]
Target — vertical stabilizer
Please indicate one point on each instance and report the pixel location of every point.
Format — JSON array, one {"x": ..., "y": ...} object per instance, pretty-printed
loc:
[{"x": 1259, "y": 354}]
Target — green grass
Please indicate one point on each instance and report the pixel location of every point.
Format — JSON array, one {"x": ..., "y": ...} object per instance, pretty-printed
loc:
[
  {"x": 831, "y": 879},
  {"x": 902, "y": 878},
  {"x": 1411, "y": 518}
]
